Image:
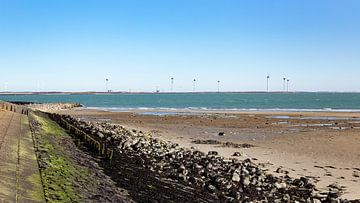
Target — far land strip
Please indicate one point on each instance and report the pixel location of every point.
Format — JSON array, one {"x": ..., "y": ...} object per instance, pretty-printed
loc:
[{"x": 218, "y": 157}]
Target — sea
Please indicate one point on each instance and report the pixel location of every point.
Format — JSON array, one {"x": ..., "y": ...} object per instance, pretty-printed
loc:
[{"x": 204, "y": 101}]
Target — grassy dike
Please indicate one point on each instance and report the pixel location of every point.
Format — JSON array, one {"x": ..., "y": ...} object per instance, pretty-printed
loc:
[
  {"x": 69, "y": 172},
  {"x": 60, "y": 175}
]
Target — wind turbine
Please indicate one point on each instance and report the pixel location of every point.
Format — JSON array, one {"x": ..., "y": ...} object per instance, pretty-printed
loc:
[
  {"x": 157, "y": 89},
  {"x": 194, "y": 81},
  {"x": 267, "y": 83},
  {"x": 284, "y": 81},
  {"x": 287, "y": 85},
  {"x": 107, "y": 85},
  {"x": 172, "y": 84},
  {"x": 218, "y": 83}
]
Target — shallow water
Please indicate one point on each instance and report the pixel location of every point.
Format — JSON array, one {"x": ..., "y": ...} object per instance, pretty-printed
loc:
[{"x": 316, "y": 118}]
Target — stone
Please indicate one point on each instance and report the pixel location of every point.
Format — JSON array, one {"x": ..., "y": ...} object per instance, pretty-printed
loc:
[
  {"x": 246, "y": 181},
  {"x": 335, "y": 186},
  {"x": 99, "y": 134},
  {"x": 237, "y": 154},
  {"x": 356, "y": 174},
  {"x": 280, "y": 185},
  {"x": 212, "y": 188},
  {"x": 228, "y": 179},
  {"x": 235, "y": 177},
  {"x": 280, "y": 170},
  {"x": 316, "y": 201},
  {"x": 213, "y": 153}
]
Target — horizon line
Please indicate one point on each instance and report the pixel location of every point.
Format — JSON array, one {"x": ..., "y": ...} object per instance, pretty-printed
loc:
[{"x": 167, "y": 92}]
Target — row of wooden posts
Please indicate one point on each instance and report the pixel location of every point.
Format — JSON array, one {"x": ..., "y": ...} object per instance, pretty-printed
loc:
[
  {"x": 99, "y": 146},
  {"x": 14, "y": 108}
]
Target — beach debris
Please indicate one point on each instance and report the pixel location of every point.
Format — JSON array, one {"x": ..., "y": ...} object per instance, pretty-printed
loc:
[{"x": 221, "y": 134}]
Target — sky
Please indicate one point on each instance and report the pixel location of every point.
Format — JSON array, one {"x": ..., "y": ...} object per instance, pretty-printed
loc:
[{"x": 74, "y": 45}]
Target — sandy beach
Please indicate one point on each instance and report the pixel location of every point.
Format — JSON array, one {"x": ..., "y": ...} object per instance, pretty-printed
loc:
[{"x": 322, "y": 146}]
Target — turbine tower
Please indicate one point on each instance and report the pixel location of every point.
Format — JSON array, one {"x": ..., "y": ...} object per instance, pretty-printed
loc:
[
  {"x": 172, "y": 84},
  {"x": 194, "y": 85},
  {"x": 218, "y": 83},
  {"x": 287, "y": 85},
  {"x": 284, "y": 81},
  {"x": 107, "y": 84},
  {"x": 267, "y": 83}
]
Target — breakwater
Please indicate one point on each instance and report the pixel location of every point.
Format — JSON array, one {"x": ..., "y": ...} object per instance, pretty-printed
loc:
[{"x": 213, "y": 176}]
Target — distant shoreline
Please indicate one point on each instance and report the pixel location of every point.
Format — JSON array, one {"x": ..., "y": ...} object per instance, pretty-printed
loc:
[{"x": 191, "y": 92}]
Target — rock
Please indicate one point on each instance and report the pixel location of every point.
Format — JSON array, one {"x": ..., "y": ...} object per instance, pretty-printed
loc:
[
  {"x": 212, "y": 188},
  {"x": 287, "y": 198},
  {"x": 229, "y": 180},
  {"x": 235, "y": 177},
  {"x": 356, "y": 174},
  {"x": 335, "y": 186},
  {"x": 209, "y": 166},
  {"x": 99, "y": 134},
  {"x": 280, "y": 170},
  {"x": 127, "y": 144},
  {"x": 316, "y": 201},
  {"x": 333, "y": 200},
  {"x": 237, "y": 154},
  {"x": 246, "y": 181},
  {"x": 213, "y": 153},
  {"x": 280, "y": 185}
]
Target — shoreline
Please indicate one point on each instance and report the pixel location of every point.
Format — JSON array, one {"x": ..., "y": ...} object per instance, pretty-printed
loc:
[
  {"x": 350, "y": 114},
  {"x": 218, "y": 110},
  {"x": 321, "y": 148},
  {"x": 170, "y": 92}
]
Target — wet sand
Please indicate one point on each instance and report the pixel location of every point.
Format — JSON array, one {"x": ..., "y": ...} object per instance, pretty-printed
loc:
[{"x": 321, "y": 145}]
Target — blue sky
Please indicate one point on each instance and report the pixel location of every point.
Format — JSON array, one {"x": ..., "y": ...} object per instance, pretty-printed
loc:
[{"x": 73, "y": 45}]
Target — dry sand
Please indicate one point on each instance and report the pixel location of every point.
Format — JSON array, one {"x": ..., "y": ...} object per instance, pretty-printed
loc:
[{"x": 324, "y": 146}]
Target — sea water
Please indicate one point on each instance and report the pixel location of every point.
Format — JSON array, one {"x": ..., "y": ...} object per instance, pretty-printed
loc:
[{"x": 205, "y": 101}]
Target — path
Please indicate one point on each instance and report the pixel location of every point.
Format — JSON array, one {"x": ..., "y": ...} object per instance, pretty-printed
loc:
[{"x": 19, "y": 172}]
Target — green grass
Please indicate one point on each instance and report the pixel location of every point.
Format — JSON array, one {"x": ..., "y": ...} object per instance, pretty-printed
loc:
[
  {"x": 36, "y": 193},
  {"x": 59, "y": 173},
  {"x": 49, "y": 127}
]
